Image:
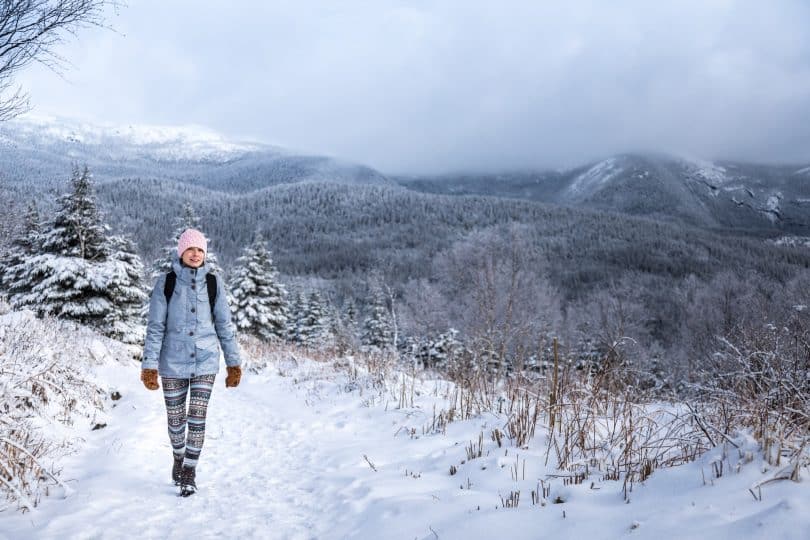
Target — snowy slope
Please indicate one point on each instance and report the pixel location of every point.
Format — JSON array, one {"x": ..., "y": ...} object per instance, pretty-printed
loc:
[
  {"x": 302, "y": 450},
  {"x": 161, "y": 143},
  {"x": 595, "y": 178},
  {"x": 713, "y": 194},
  {"x": 38, "y": 152}
]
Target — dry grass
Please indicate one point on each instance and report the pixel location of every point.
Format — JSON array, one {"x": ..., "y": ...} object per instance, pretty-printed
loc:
[
  {"x": 41, "y": 379},
  {"x": 592, "y": 424}
]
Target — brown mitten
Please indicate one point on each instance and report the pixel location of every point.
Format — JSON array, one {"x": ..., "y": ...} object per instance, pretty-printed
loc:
[
  {"x": 149, "y": 378},
  {"x": 234, "y": 376}
]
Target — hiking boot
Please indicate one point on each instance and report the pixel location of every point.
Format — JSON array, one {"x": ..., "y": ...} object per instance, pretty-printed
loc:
[
  {"x": 177, "y": 468},
  {"x": 187, "y": 484}
]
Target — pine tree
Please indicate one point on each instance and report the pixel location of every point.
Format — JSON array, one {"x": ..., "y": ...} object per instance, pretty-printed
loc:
[
  {"x": 310, "y": 320},
  {"x": 12, "y": 271},
  {"x": 75, "y": 271},
  {"x": 128, "y": 290},
  {"x": 296, "y": 331},
  {"x": 77, "y": 230},
  {"x": 344, "y": 327},
  {"x": 445, "y": 349},
  {"x": 377, "y": 330},
  {"x": 315, "y": 323},
  {"x": 259, "y": 305}
]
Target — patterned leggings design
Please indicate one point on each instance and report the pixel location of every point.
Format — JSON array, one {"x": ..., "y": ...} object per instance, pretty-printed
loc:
[{"x": 175, "y": 392}]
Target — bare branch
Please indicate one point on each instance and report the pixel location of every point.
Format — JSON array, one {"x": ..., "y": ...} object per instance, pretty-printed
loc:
[{"x": 31, "y": 31}]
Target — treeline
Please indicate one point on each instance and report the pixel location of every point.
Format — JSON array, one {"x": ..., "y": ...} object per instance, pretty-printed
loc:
[
  {"x": 386, "y": 267},
  {"x": 334, "y": 230}
]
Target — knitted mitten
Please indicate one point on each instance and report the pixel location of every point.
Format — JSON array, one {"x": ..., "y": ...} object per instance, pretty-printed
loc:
[
  {"x": 234, "y": 376},
  {"x": 149, "y": 377}
]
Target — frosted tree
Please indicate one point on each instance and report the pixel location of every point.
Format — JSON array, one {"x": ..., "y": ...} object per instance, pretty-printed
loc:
[
  {"x": 312, "y": 322},
  {"x": 76, "y": 271},
  {"x": 259, "y": 299},
  {"x": 344, "y": 328},
  {"x": 442, "y": 351},
  {"x": 316, "y": 322},
  {"x": 23, "y": 245},
  {"x": 350, "y": 312},
  {"x": 377, "y": 330},
  {"x": 77, "y": 229},
  {"x": 296, "y": 332},
  {"x": 129, "y": 292}
]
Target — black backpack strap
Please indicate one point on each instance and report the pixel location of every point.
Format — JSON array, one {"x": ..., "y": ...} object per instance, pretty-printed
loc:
[
  {"x": 211, "y": 285},
  {"x": 168, "y": 286}
]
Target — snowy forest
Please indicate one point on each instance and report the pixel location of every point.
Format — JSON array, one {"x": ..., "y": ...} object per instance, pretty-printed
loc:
[
  {"x": 552, "y": 316},
  {"x": 616, "y": 347}
]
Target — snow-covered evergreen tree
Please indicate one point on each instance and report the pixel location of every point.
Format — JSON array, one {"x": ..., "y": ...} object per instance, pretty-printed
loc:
[
  {"x": 316, "y": 323},
  {"x": 350, "y": 312},
  {"x": 377, "y": 331},
  {"x": 76, "y": 271},
  {"x": 23, "y": 245},
  {"x": 444, "y": 349},
  {"x": 129, "y": 292},
  {"x": 311, "y": 321},
  {"x": 297, "y": 313},
  {"x": 344, "y": 327},
  {"x": 259, "y": 300},
  {"x": 77, "y": 230},
  {"x": 344, "y": 330}
]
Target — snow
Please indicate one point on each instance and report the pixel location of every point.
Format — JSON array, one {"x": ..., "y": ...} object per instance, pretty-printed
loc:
[
  {"x": 164, "y": 143},
  {"x": 305, "y": 449},
  {"x": 792, "y": 241},
  {"x": 710, "y": 171},
  {"x": 595, "y": 177},
  {"x": 772, "y": 206}
]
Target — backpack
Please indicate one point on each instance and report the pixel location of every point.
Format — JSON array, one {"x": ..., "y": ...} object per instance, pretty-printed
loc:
[{"x": 210, "y": 284}]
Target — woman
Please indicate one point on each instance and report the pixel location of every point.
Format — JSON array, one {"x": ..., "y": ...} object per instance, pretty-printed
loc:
[{"x": 189, "y": 319}]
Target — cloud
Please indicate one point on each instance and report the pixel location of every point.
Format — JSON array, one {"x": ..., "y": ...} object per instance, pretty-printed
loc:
[{"x": 429, "y": 86}]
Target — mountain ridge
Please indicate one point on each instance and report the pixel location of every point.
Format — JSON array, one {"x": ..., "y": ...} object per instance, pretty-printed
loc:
[{"x": 36, "y": 154}]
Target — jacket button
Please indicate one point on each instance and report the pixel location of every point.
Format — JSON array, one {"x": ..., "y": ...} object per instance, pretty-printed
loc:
[
  {"x": 192, "y": 355},
  {"x": 193, "y": 286},
  {"x": 193, "y": 310},
  {"x": 191, "y": 333}
]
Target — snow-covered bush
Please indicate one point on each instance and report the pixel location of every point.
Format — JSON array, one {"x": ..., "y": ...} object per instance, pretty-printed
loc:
[
  {"x": 759, "y": 379},
  {"x": 44, "y": 386}
]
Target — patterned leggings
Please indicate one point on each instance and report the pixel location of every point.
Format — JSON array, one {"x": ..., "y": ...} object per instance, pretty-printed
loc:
[{"x": 175, "y": 392}]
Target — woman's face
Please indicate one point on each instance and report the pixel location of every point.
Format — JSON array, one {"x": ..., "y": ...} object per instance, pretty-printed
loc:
[{"x": 193, "y": 257}]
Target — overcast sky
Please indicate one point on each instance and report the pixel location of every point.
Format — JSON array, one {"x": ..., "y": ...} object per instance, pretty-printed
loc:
[{"x": 437, "y": 85}]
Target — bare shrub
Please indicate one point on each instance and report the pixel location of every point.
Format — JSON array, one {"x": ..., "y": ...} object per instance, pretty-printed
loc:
[
  {"x": 759, "y": 379},
  {"x": 41, "y": 378}
]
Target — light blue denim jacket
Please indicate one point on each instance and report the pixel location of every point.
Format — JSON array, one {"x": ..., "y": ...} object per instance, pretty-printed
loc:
[{"x": 181, "y": 340}]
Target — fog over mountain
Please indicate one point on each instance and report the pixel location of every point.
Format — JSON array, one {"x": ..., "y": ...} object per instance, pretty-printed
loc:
[
  {"x": 744, "y": 197},
  {"x": 38, "y": 152}
]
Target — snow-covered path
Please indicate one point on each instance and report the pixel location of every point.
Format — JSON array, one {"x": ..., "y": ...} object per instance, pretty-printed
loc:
[
  {"x": 255, "y": 476},
  {"x": 309, "y": 454}
]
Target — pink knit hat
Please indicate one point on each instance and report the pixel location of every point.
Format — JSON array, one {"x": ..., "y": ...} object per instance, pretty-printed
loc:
[{"x": 191, "y": 238}]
